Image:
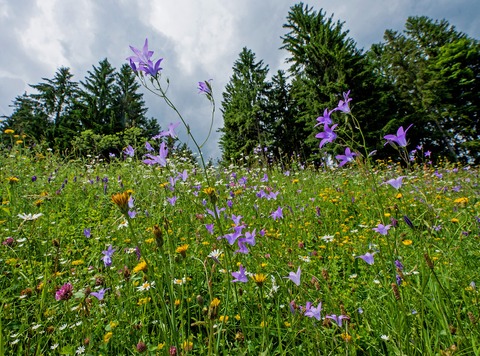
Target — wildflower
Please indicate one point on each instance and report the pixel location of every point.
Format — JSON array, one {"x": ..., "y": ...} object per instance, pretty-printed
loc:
[
  {"x": 182, "y": 250},
  {"x": 385, "y": 337},
  {"x": 107, "y": 258},
  {"x": 325, "y": 119},
  {"x": 13, "y": 180},
  {"x": 146, "y": 286},
  {"x": 338, "y": 319},
  {"x": 142, "y": 61},
  {"x": 347, "y": 157},
  {"x": 240, "y": 275},
  {"x": 327, "y": 238},
  {"x": 407, "y": 242},
  {"x": 29, "y": 217},
  {"x": 160, "y": 159},
  {"x": 382, "y": 229},
  {"x": 277, "y": 214},
  {"x": 399, "y": 265},
  {"x": 209, "y": 228},
  {"x": 295, "y": 277},
  {"x": 313, "y": 312},
  {"x": 343, "y": 104},
  {"x": 80, "y": 350},
  {"x": 461, "y": 201},
  {"x": 396, "y": 183},
  {"x": 328, "y": 135},
  {"x": 9, "y": 131},
  {"x": 141, "y": 347},
  {"x": 399, "y": 138},
  {"x": 170, "y": 132},
  {"x": 129, "y": 151},
  {"x": 172, "y": 200},
  {"x": 368, "y": 258},
  {"x": 9, "y": 241},
  {"x": 215, "y": 254},
  {"x": 142, "y": 266},
  {"x": 121, "y": 200},
  {"x": 65, "y": 292},
  {"x": 205, "y": 87},
  {"x": 87, "y": 232},
  {"x": 259, "y": 278},
  {"x": 100, "y": 294},
  {"x": 107, "y": 337},
  {"x": 408, "y": 221}
]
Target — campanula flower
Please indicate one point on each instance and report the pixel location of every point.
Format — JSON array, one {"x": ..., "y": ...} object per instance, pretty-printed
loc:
[
  {"x": 160, "y": 159},
  {"x": 347, "y": 157},
  {"x": 295, "y": 277},
  {"x": 100, "y": 294},
  {"x": 313, "y": 312},
  {"x": 107, "y": 258},
  {"x": 129, "y": 151},
  {"x": 343, "y": 104},
  {"x": 368, "y": 258},
  {"x": 240, "y": 275},
  {"x": 325, "y": 119},
  {"x": 338, "y": 319},
  {"x": 328, "y": 135},
  {"x": 277, "y": 214},
  {"x": 396, "y": 182},
  {"x": 170, "y": 132},
  {"x": 382, "y": 229},
  {"x": 400, "y": 138}
]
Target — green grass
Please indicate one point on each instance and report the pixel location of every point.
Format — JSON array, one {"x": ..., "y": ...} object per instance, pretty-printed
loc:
[{"x": 328, "y": 217}]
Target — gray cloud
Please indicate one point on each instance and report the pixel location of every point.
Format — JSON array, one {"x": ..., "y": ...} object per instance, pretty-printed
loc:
[{"x": 198, "y": 40}]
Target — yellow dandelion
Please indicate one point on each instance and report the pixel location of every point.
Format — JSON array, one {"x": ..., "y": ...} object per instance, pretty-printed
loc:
[
  {"x": 387, "y": 215},
  {"x": 209, "y": 191},
  {"x": 461, "y": 201},
  {"x": 295, "y": 181},
  {"x": 177, "y": 302},
  {"x": 237, "y": 317},
  {"x": 9, "y": 131},
  {"x": 77, "y": 262},
  {"x": 454, "y": 220},
  {"x": 107, "y": 337},
  {"x": 287, "y": 324},
  {"x": 259, "y": 278},
  {"x": 223, "y": 318},
  {"x": 142, "y": 266},
  {"x": 38, "y": 202},
  {"x": 346, "y": 337},
  {"x": 143, "y": 301},
  {"x": 121, "y": 200},
  {"x": 18, "y": 142},
  {"x": 182, "y": 250},
  {"x": 399, "y": 196},
  {"x": 150, "y": 240},
  {"x": 407, "y": 242},
  {"x": 13, "y": 180},
  {"x": 113, "y": 324},
  {"x": 215, "y": 302}
]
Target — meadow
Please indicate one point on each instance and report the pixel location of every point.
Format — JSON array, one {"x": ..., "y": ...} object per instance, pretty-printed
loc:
[
  {"x": 123, "y": 257},
  {"x": 162, "y": 254}
]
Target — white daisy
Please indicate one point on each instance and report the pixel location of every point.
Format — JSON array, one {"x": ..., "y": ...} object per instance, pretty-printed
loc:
[
  {"x": 327, "y": 238},
  {"x": 29, "y": 217}
]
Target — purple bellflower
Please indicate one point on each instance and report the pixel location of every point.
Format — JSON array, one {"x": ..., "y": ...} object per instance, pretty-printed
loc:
[
  {"x": 240, "y": 275},
  {"x": 313, "y": 312},
  {"x": 396, "y": 182},
  {"x": 337, "y": 319},
  {"x": 169, "y": 132},
  {"x": 368, "y": 258},
  {"x": 347, "y": 157},
  {"x": 107, "y": 258},
  {"x": 295, "y": 277},
  {"x": 328, "y": 135},
  {"x": 129, "y": 151},
  {"x": 100, "y": 294},
  {"x": 343, "y": 104},
  {"x": 141, "y": 61},
  {"x": 400, "y": 138},
  {"x": 205, "y": 87},
  {"x": 325, "y": 119},
  {"x": 382, "y": 229},
  {"x": 277, "y": 214},
  {"x": 161, "y": 159}
]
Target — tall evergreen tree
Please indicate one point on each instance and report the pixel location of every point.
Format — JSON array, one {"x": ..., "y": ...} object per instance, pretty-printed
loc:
[
  {"x": 243, "y": 107},
  {"x": 433, "y": 71},
  {"x": 97, "y": 100},
  {"x": 324, "y": 63}
]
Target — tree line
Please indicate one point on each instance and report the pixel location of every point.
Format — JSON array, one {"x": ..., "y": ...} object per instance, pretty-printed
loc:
[
  {"x": 426, "y": 75},
  {"x": 99, "y": 115}
]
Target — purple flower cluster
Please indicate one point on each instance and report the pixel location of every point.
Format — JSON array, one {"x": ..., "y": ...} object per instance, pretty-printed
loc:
[
  {"x": 65, "y": 292},
  {"x": 141, "y": 61}
]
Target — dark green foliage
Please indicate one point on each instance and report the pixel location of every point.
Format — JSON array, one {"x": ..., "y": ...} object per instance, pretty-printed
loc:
[{"x": 243, "y": 108}]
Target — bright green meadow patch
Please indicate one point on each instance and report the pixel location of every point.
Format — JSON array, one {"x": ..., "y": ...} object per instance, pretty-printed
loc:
[{"x": 122, "y": 258}]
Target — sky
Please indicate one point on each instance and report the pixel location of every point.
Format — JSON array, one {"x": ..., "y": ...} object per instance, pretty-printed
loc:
[{"x": 198, "y": 39}]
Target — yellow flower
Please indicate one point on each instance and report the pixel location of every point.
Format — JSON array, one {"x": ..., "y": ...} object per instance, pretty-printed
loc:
[
  {"x": 121, "y": 200},
  {"x": 9, "y": 131},
  {"x": 113, "y": 324},
  {"x": 77, "y": 262},
  {"x": 142, "y": 266},
  {"x": 150, "y": 240},
  {"x": 187, "y": 345},
  {"x": 177, "y": 302},
  {"x": 259, "y": 278},
  {"x": 461, "y": 201},
  {"x": 223, "y": 318},
  {"x": 454, "y": 220},
  {"x": 407, "y": 242},
  {"x": 107, "y": 337},
  {"x": 160, "y": 346},
  {"x": 346, "y": 337},
  {"x": 399, "y": 196},
  {"x": 182, "y": 250},
  {"x": 215, "y": 302},
  {"x": 237, "y": 317},
  {"x": 143, "y": 301},
  {"x": 263, "y": 324},
  {"x": 209, "y": 191},
  {"x": 18, "y": 142},
  {"x": 287, "y": 324},
  {"x": 13, "y": 180},
  {"x": 294, "y": 181}
]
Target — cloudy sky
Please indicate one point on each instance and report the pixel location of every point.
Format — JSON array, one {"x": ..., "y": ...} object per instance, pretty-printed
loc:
[{"x": 198, "y": 39}]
